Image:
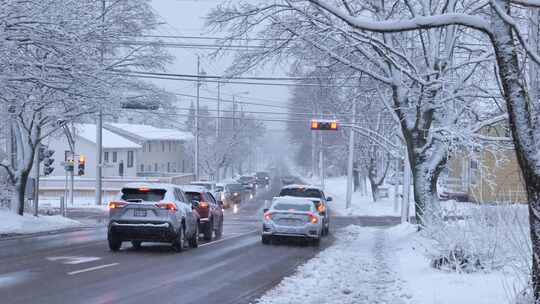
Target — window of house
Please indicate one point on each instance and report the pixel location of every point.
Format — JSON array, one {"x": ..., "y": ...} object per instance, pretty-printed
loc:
[
  {"x": 149, "y": 147},
  {"x": 156, "y": 167},
  {"x": 142, "y": 168},
  {"x": 114, "y": 157},
  {"x": 474, "y": 164},
  {"x": 168, "y": 166},
  {"x": 106, "y": 157},
  {"x": 130, "y": 159},
  {"x": 162, "y": 146},
  {"x": 170, "y": 147}
]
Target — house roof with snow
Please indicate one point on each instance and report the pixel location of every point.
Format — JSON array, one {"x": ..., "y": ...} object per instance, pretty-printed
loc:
[
  {"x": 110, "y": 140},
  {"x": 146, "y": 132}
]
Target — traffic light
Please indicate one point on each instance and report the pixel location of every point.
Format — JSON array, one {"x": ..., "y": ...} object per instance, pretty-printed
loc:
[
  {"x": 82, "y": 163},
  {"x": 45, "y": 156},
  {"x": 326, "y": 125}
]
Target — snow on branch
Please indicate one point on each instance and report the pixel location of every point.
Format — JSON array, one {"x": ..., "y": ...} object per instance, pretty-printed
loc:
[{"x": 403, "y": 25}]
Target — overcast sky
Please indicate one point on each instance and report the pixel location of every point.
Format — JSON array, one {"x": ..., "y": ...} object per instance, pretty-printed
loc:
[{"x": 186, "y": 18}]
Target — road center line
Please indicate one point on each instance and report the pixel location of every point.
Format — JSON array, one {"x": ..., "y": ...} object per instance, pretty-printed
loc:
[{"x": 92, "y": 268}]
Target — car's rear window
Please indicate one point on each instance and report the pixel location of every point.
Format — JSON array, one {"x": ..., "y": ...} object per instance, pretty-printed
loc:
[
  {"x": 143, "y": 194},
  {"x": 294, "y": 207},
  {"x": 194, "y": 196},
  {"x": 301, "y": 192}
]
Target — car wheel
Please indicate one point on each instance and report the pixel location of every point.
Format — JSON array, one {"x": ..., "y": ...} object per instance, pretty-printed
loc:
[
  {"x": 266, "y": 239},
  {"x": 178, "y": 243},
  {"x": 208, "y": 230},
  {"x": 219, "y": 230},
  {"x": 136, "y": 244},
  {"x": 114, "y": 243},
  {"x": 194, "y": 240}
]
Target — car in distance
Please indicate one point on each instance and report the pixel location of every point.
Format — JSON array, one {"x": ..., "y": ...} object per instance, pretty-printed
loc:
[
  {"x": 232, "y": 194},
  {"x": 262, "y": 178},
  {"x": 288, "y": 180},
  {"x": 248, "y": 182},
  {"x": 209, "y": 185},
  {"x": 148, "y": 212},
  {"x": 209, "y": 210},
  {"x": 292, "y": 217},
  {"x": 316, "y": 195}
]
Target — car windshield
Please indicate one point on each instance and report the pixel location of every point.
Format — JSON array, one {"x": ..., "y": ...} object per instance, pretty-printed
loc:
[
  {"x": 301, "y": 192},
  {"x": 143, "y": 194},
  {"x": 235, "y": 187},
  {"x": 219, "y": 188},
  {"x": 194, "y": 196},
  {"x": 262, "y": 174},
  {"x": 245, "y": 179},
  {"x": 292, "y": 207}
]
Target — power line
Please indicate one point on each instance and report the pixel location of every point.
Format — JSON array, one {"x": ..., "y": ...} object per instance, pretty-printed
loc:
[
  {"x": 211, "y": 38},
  {"x": 314, "y": 116},
  {"x": 172, "y": 77}
]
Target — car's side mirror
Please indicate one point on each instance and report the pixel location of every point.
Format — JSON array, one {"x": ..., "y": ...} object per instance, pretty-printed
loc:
[
  {"x": 329, "y": 199},
  {"x": 220, "y": 203},
  {"x": 195, "y": 204},
  {"x": 265, "y": 210}
]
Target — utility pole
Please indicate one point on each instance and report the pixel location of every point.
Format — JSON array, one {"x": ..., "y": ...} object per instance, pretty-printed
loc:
[
  {"x": 533, "y": 41},
  {"x": 351, "y": 159},
  {"x": 218, "y": 122},
  {"x": 233, "y": 130},
  {"x": 396, "y": 185},
  {"x": 196, "y": 169},
  {"x": 99, "y": 124},
  {"x": 321, "y": 160}
]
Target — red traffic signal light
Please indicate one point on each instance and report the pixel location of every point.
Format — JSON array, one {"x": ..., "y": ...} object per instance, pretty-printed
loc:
[
  {"x": 82, "y": 163},
  {"x": 327, "y": 125}
]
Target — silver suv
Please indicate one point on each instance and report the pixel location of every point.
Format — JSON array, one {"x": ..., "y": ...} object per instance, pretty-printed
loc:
[{"x": 152, "y": 213}]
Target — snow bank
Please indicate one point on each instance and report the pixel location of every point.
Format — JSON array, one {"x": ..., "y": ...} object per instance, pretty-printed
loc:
[
  {"x": 11, "y": 223},
  {"x": 370, "y": 265},
  {"x": 360, "y": 205}
]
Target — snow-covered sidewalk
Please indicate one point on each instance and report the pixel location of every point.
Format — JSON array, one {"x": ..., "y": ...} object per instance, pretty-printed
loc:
[
  {"x": 371, "y": 265},
  {"x": 11, "y": 223}
]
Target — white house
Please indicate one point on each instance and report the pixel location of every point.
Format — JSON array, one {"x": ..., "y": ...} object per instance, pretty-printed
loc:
[
  {"x": 163, "y": 151},
  {"x": 119, "y": 153}
]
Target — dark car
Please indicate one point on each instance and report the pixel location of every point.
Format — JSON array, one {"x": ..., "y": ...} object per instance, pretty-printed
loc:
[
  {"x": 248, "y": 182},
  {"x": 316, "y": 195},
  {"x": 210, "y": 211},
  {"x": 232, "y": 194},
  {"x": 262, "y": 178},
  {"x": 288, "y": 180},
  {"x": 152, "y": 213}
]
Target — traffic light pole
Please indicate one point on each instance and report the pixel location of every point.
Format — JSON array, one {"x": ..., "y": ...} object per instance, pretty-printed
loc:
[{"x": 350, "y": 160}]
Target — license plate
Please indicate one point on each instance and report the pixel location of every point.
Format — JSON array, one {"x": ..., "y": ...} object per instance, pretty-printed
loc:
[{"x": 139, "y": 212}]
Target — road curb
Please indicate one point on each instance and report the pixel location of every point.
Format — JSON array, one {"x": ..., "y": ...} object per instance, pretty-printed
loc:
[{"x": 18, "y": 236}]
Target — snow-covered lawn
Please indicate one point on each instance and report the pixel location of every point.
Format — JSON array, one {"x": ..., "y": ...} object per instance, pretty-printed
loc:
[
  {"x": 78, "y": 202},
  {"x": 360, "y": 205},
  {"x": 372, "y": 265},
  {"x": 11, "y": 223}
]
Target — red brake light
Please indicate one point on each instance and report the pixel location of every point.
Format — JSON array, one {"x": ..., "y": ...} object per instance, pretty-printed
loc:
[
  {"x": 116, "y": 205},
  {"x": 203, "y": 204},
  {"x": 144, "y": 189},
  {"x": 268, "y": 216},
  {"x": 168, "y": 206},
  {"x": 313, "y": 219}
]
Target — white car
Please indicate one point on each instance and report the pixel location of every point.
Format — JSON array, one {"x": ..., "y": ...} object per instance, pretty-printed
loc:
[{"x": 292, "y": 217}]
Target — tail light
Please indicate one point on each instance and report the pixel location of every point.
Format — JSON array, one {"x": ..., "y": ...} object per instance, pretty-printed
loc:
[
  {"x": 116, "y": 205},
  {"x": 268, "y": 216},
  {"x": 203, "y": 204},
  {"x": 167, "y": 206},
  {"x": 321, "y": 208},
  {"x": 313, "y": 219}
]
